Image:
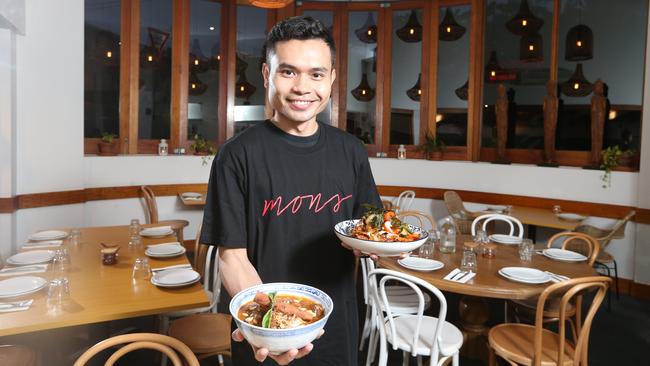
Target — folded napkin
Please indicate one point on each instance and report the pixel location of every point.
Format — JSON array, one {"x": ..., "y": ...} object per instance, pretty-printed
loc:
[
  {"x": 164, "y": 244},
  {"x": 176, "y": 266},
  {"x": 6, "y": 307},
  {"x": 157, "y": 228},
  {"x": 43, "y": 244},
  {"x": 32, "y": 268},
  {"x": 455, "y": 276}
]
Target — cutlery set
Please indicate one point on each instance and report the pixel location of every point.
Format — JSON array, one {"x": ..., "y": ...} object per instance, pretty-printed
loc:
[
  {"x": 177, "y": 266},
  {"x": 460, "y": 276}
]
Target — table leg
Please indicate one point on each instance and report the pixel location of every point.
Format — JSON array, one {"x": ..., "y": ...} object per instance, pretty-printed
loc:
[
  {"x": 474, "y": 314},
  {"x": 532, "y": 232}
]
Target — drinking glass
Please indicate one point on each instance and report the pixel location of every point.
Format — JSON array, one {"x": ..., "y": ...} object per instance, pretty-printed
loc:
[
  {"x": 75, "y": 235},
  {"x": 468, "y": 263},
  {"x": 141, "y": 269},
  {"x": 58, "y": 293},
  {"x": 426, "y": 250},
  {"x": 134, "y": 233},
  {"x": 526, "y": 249},
  {"x": 481, "y": 237},
  {"x": 557, "y": 210},
  {"x": 61, "y": 260}
]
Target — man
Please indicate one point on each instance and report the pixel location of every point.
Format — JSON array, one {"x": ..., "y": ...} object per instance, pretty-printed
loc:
[{"x": 277, "y": 189}]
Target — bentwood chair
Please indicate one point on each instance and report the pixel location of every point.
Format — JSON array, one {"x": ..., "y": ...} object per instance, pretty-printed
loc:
[
  {"x": 17, "y": 355},
  {"x": 524, "y": 344},
  {"x": 175, "y": 350},
  {"x": 526, "y": 309},
  {"x": 461, "y": 216},
  {"x": 152, "y": 214},
  {"x": 513, "y": 223},
  {"x": 415, "y": 334},
  {"x": 403, "y": 300},
  {"x": 421, "y": 218},
  {"x": 604, "y": 236},
  {"x": 404, "y": 201}
]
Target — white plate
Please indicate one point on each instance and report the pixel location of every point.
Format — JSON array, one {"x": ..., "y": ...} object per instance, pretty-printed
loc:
[
  {"x": 157, "y": 232},
  {"x": 420, "y": 264},
  {"x": 175, "y": 277},
  {"x": 166, "y": 248},
  {"x": 564, "y": 255},
  {"x": 191, "y": 195},
  {"x": 496, "y": 208},
  {"x": 525, "y": 274},
  {"x": 179, "y": 251},
  {"x": 343, "y": 231},
  {"x": 31, "y": 257},
  {"x": 48, "y": 235},
  {"x": 18, "y": 286},
  {"x": 505, "y": 239},
  {"x": 571, "y": 217}
]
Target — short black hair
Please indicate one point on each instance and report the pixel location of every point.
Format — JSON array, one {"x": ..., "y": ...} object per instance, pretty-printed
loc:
[{"x": 301, "y": 28}]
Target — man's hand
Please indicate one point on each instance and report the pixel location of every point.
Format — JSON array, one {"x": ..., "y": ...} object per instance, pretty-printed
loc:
[
  {"x": 282, "y": 359},
  {"x": 372, "y": 256}
]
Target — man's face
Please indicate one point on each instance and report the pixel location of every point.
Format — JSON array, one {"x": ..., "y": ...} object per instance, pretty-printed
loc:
[{"x": 299, "y": 77}]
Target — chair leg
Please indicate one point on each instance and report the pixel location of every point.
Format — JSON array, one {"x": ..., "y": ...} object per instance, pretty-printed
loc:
[
  {"x": 220, "y": 358},
  {"x": 406, "y": 357},
  {"x": 456, "y": 359},
  {"x": 372, "y": 347},
  {"x": 365, "y": 333},
  {"x": 492, "y": 361},
  {"x": 616, "y": 280},
  {"x": 609, "y": 289}
]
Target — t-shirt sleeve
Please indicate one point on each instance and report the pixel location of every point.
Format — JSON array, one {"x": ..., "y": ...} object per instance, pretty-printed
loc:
[
  {"x": 366, "y": 190},
  {"x": 224, "y": 214}
]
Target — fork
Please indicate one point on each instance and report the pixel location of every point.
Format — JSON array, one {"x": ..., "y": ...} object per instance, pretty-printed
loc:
[
  {"x": 458, "y": 276},
  {"x": 16, "y": 304}
]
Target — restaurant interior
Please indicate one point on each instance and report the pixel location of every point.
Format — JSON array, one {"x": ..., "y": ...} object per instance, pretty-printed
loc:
[{"x": 507, "y": 134}]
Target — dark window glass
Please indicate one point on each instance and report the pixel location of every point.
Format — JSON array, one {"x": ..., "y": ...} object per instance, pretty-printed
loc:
[
  {"x": 204, "y": 66},
  {"x": 101, "y": 67},
  {"x": 155, "y": 69}
]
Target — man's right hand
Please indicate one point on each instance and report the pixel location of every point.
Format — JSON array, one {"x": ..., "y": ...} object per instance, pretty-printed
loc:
[{"x": 282, "y": 359}]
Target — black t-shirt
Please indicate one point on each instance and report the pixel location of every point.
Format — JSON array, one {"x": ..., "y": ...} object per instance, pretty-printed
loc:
[{"x": 280, "y": 198}]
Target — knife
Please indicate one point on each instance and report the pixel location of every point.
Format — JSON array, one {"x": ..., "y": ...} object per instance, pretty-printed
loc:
[
  {"x": 178, "y": 266},
  {"x": 463, "y": 276},
  {"x": 21, "y": 269}
]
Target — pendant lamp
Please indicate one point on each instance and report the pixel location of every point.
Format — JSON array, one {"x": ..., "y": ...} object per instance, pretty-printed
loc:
[
  {"x": 196, "y": 87},
  {"x": 449, "y": 29},
  {"x": 577, "y": 85},
  {"x": 579, "y": 44},
  {"x": 244, "y": 89},
  {"x": 461, "y": 92},
  {"x": 270, "y": 4},
  {"x": 411, "y": 32},
  {"x": 368, "y": 32},
  {"x": 531, "y": 48},
  {"x": 524, "y": 22},
  {"x": 198, "y": 61},
  {"x": 363, "y": 92},
  {"x": 148, "y": 57},
  {"x": 492, "y": 68},
  {"x": 215, "y": 59},
  {"x": 415, "y": 92}
]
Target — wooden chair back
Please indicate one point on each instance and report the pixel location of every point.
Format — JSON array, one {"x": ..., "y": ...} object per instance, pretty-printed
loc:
[
  {"x": 175, "y": 350},
  {"x": 420, "y": 217},
  {"x": 454, "y": 203},
  {"x": 484, "y": 220},
  {"x": 577, "y": 242},
  {"x": 403, "y": 201},
  {"x": 388, "y": 205},
  {"x": 618, "y": 231},
  {"x": 150, "y": 201},
  {"x": 567, "y": 291},
  {"x": 206, "y": 262}
]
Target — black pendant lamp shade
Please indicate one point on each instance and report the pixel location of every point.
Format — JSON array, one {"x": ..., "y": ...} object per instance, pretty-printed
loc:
[
  {"x": 577, "y": 85},
  {"x": 579, "y": 44},
  {"x": 411, "y": 32},
  {"x": 363, "y": 92},
  {"x": 196, "y": 87},
  {"x": 198, "y": 61},
  {"x": 449, "y": 30},
  {"x": 524, "y": 22},
  {"x": 492, "y": 68},
  {"x": 415, "y": 92},
  {"x": 531, "y": 48},
  {"x": 461, "y": 92},
  {"x": 244, "y": 89},
  {"x": 215, "y": 59},
  {"x": 368, "y": 32}
]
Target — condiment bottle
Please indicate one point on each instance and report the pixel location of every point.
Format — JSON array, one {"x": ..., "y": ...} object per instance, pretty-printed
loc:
[
  {"x": 163, "y": 147},
  {"x": 489, "y": 250},
  {"x": 448, "y": 236},
  {"x": 401, "y": 152},
  {"x": 109, "y": 256}
]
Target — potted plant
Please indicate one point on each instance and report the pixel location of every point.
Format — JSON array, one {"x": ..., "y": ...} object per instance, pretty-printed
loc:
[
  {"x": 201, "y": 146},
  {"x": 612, "y": 157},
  {"x": 432, "y": 147},
  {"x": 108, "y": 145}
]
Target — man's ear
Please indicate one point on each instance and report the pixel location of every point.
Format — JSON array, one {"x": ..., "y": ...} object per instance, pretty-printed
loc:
[
  {"x": 333, "y": 76},
  {"x": 265, "y": 74}
]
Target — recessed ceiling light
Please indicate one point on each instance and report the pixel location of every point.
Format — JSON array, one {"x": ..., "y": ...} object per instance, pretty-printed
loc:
[{"x": 211, "y": 28}]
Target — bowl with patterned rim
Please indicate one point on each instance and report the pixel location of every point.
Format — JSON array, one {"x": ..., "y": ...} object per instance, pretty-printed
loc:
[
  {"x": 344, "y": 229},
  {"x": 278, "y": 341}
]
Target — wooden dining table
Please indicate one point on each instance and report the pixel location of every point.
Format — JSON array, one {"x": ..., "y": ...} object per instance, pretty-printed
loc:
[{"x": 101, "y": 292}]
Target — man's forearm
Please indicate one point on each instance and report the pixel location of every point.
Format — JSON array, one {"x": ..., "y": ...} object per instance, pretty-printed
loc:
[{"x": 236, "y": 271}]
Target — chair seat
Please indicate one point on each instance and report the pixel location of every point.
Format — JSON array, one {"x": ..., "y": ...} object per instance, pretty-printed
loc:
[
  {"x": 551, "y": 308},
  {"x": 403, "y": 300},
  {"x": 203, "y": 333},
  {"x": 180, "y": 313},
  {"x": 452, "y": 338},
  {"x": 17, "y": 356},
  {"x": 515, "y": 343}
]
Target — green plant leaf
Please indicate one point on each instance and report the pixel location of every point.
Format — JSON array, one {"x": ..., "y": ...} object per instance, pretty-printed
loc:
[{"x": 266, "y": 320}]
